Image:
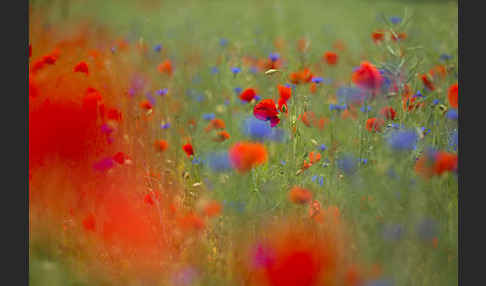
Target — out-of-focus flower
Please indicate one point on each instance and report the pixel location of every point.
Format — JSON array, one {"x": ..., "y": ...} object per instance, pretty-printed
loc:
[
  {"x": 299, "y": 195},
  {"x": 162, "y": 92},
  {"x": 331, "y": 58},
  {"x": 403, "y": 140},
  {"x": 157, "y": 48},
  {"x": 244, "y": 156},
  {"x": 219, "y": 162},
  {"x": 235, "y": 70},
  {"x": 452, "y": 114},
  {"x": 388, "y": 112},
  {"x": 452, "y": 95},
  {"x": 427, "y": 82},
  {"x": 348, "y": 164},
  {"x": 161, "y": 145},
  {"x": 208, "y": 116},
  {"x": 436, "y": 163},
  {"x": 367, "y": 77},
  {"x": 378, "y": 36},
  {"x": 374, "y": 124},
  {"x": 395, "y": 20}
]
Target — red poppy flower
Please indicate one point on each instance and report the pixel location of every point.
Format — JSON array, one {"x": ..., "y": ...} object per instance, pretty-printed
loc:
[
  {"x": 388, "y": 112},
  {"x": 165, "y": 67},
  {"x": 145, "y": 104},
  {"x": 299, "y": 195},
  {"x": 248, "y": 94},
  {"x": 427, "y": 82},
  {"x": 284, "y": 92},
  {"x": 313, "y": 87},
  {"x": 453, "y": 94},
  {"x": 188, "y": 149},
  {"x": 367, "y": 76},
  {"x": 436, "y": 163},
  {"x": 81, "y": 67},
  {"x": 374, "y": 124},
  {"x": 331, "y": 58},
  {"x": 377, "y": 36},
  {"x": 221, "y": 136},
  {"x": 266, "y": 110},
  {"x": 161, "y": 145},
  {"x": 308, "y": 118},
  {"x": 212, "y": 209},
  {"x": 215, "y": 123},
  {"x": 438, "y": 71},
  {"x": 244, "y": 156}
]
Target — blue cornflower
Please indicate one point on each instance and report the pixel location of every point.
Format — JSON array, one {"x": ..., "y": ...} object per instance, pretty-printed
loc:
[
  {"x": 314, "y": 178},
  {"x": 364, "y": 161},
  {"x": 257, "y": 98},
  {"x": 425, "y": 131},
  {"x": 214, "y": 70},
  {"x": 337, "y": 107},
  {"x": 347, "y": 164},
  {"x": 322, "y": 147},
  {"x": 200, "y": 98},
  {"x": 274, "y": 57},
  {"x": 418, "y": 94},
  {"x": 427, "y": 229},
  {"x": 223, "y": 42},
  {"x": 165, "y": 126},
  {"x": 226, "y": 102},
  {"x": 283, "y": 162},
  {"x": 395, "y": 20},
  {"x": 235, "y": 70},
  {"x": 403, "y": 140},
  {"x": 445, "y": 57},
  {"x": 290, "y": 85},
  {"x": 219, "y": 162},
  {"x": 367, "y": 108},
  {"x": 321, "y": 180},
  {"x": 238, "y": 91},
  {"x": 257, "y": 129},
  {"x": 317, "y": 79},
  {"x": 435, "y": 102},
  {"x": 452, "y": 114},
  {"x": 260, "y": 130},
  {"x": 158, "y": 48},
  {"x": 393, "y": 232},
  {"x": 162, "y": 91},
  {"x": 196, "y": 161},
  {"x": 209, "y": 116}
]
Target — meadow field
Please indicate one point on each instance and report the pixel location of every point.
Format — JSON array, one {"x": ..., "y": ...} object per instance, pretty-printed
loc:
[{"x": 269, "y": 143}]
